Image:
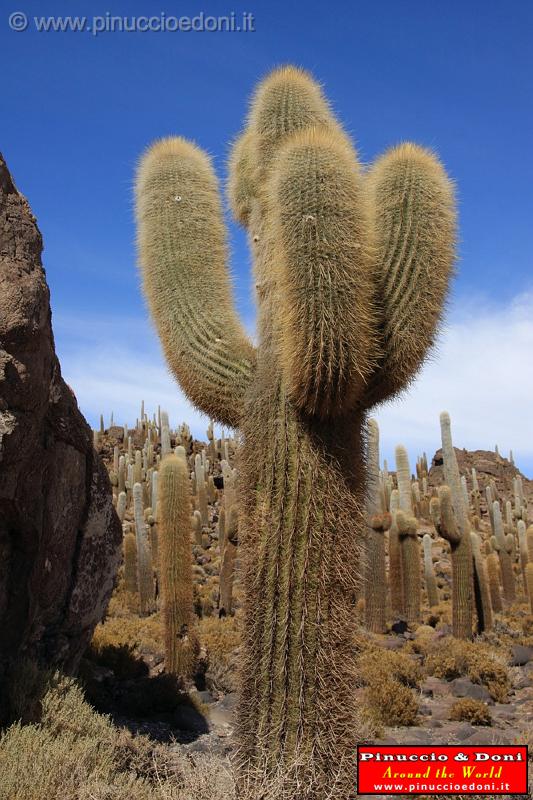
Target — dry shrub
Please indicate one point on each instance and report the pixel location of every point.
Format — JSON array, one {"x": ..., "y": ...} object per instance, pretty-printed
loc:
[
  {"x": 73, "y": 753},
  {"x": 388, "y": 702},
  {"x": 452, "y": 658},
  {"x": 132, "y": 631},
  {"x": 221, "y": 638},
  {"x": 375, "y": 664},
  {"x": 468, "y": 710},
  {"x": 388, "y": 678}
]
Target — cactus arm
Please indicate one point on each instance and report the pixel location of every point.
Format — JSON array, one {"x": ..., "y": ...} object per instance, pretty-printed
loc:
[
  {"x": 183, "y": 255},
  {"x": 323, "y": 263},
  {"x": 414, "y": 216}
]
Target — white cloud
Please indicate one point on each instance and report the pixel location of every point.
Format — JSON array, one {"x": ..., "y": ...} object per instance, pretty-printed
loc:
[{"x": 481, "y": 373}]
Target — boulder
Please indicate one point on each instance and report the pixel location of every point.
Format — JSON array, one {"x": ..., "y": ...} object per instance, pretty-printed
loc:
[
  {"x": 60, "y": 539},
  {"x": 463, "y": 687},
  {"x": 521, "y": 655}
]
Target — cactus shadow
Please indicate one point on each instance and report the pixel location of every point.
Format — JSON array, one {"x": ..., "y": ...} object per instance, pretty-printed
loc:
[{"x": 119, "y": 683}]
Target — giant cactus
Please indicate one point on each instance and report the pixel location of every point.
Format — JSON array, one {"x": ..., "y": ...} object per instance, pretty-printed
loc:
[{"x": 351, "y": 270}]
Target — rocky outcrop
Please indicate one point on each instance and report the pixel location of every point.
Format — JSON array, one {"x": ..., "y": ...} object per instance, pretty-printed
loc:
[
  {"x": 59, "y": 534},
  {"x": 488, "y": 464}
]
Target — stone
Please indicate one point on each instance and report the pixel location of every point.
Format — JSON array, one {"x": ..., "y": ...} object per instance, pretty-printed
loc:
[
  {"x": 487, "y": 736},
  {"x": 60, "y": 538},
  {"x": 462, "y": 732},
  {"x": 399, "y": 626},
  {"x": 432, "y": 687},
  {"x": 463, "y": 687},
  {"x": 393, "y": 643},
  {"x": 520, "y": 655}
]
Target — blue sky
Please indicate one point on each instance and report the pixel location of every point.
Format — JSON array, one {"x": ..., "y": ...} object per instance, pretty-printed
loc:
[{"x": 78, "y": 109}]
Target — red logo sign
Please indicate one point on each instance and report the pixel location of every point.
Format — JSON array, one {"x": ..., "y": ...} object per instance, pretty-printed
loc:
[{"x": 441, "y": 769}]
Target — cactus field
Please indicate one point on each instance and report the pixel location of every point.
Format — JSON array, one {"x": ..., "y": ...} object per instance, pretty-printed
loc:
[{"x": 227, "y": 616}]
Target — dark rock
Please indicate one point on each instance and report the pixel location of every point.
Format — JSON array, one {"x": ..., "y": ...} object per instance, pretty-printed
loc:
[
  {"x": 520, "y": 655},
  {"x": 400, "y": 626},
  {"x": 487, "y": 736},
  {"x": 463, "y": 687},
  {"x": 463, "y": 732},
  {"x": 60, "y": 538}
]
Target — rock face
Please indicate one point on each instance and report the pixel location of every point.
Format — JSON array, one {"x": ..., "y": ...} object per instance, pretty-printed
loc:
[
  {"x": 488, "y": 464},
  {"x": 59, "y": 535}
]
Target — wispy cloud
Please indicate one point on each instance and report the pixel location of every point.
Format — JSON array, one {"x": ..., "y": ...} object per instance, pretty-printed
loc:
[{"x": 481, "y": 373}]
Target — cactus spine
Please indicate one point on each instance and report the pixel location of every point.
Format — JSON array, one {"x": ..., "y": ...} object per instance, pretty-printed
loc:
[
  {"x": 463, "y": 587},
  {"x": 175, "y": 565},
  {"x": 351, "y": 272}
]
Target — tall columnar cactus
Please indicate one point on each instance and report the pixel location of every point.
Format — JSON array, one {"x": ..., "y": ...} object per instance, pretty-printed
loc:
[
  {"x": 121, "y": 505},
  {"x": 529, "y": 542},
  {"x": 522, "y": 549},
  {"x": 463, "y": 608},
  {"x": 529, "y": 579},
  {"x": 144, "y": 557},
  {"x": 227, "y": 564},
  {"x": 351, "y": 270},
  {"x": 378, "y": 522},
  {"x": 395, "y": 560},
  {"x": 176, "y": 565},
  {"x": 493, "y": 570},
  {"x": 445, "y": 523},
  {"x": 201, "y": 489},
  {"x": 429, "y": 572},
  {"x": 409, "y": 545},
  {"x": 506, "y": 564},
  {"x": 481, "y": 587},
  {"x": 130, "y": 564}
]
